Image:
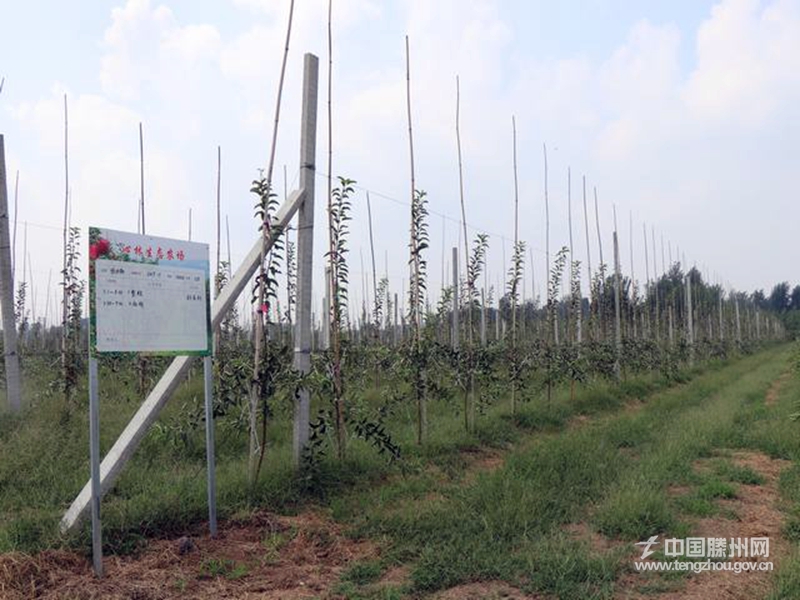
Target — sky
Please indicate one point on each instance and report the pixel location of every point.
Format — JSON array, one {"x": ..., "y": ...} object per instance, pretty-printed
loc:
[{"x": 683, "y": 115}]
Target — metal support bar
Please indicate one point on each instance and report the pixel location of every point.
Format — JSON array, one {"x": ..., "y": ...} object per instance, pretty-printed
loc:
[
  {"x": 210, "y": 462},
  {"x": 94, "y": 460}
]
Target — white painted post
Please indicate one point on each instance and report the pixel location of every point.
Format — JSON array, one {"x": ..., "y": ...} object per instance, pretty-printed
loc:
[
  {"x": 671, "y": 324},
  {"x": 483, "y": 317},
  {"x": 689, "y": 319},
  {"x": 94, "y": 465},
  {"x": 454, "y": 337},
  {"x": 326, "y": 311},
  {"x": 7, "y": 295},
  {"x": 305, "y": 251},
  {"x": 396, "y": 326},
  {"x": 208, "y": 386},
  {"x": 617, "y": 310},
  {"x": 738, "y": 323},
  {"x": 758, "y": 324},
  {"x": 497, "y": 332}
]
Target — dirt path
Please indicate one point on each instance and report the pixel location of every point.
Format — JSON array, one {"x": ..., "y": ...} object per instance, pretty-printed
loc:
[
  {"x": 753, "y": 513},
  {"x": 775, "y": 389}
]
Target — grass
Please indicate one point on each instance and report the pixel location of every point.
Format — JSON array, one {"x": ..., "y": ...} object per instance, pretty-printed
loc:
[
  {"x": 612, "y": 473},
  {"x": 227, "y": 568},
  {"x": 448, "y": 524},
  {"x": 162, "y": 490}
]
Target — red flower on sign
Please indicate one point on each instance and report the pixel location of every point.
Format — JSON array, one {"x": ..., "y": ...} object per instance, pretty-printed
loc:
[
  {"x": 170, "y": 254},
  {"x": 137, "y": 250},
  {"x": 181, "y": 255},
  {"x": 149, "y": 252},
  {"x": 159, "y": 253}
]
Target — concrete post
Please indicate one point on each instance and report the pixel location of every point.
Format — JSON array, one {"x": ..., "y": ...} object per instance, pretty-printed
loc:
[
  {"x": 305, "y": 251},
  {"x": 483, "y": 317},
  {"x": 7, "y": 295},
  {"x": 617, "y": 310}
]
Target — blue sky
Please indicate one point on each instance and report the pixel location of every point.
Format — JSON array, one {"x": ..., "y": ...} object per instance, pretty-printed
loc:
[{"x": 683, "y": 114}]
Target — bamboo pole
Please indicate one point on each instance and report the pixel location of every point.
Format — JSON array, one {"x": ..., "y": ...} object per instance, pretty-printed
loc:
[
  {"x": 414, "y": 284},
  {"x": 65, "y": 291},
  {"x": 469, "y": 399},
  {"x": 374, "y": 269},
  {"x": 14, "y": 239},
  {"x": 516, "y": 243},
  {"x": 217, "y": 282},
  {"x": 256, "y": 453},
  {"x": 454, "y": 332},
  {"x": 647, "y": 279}
]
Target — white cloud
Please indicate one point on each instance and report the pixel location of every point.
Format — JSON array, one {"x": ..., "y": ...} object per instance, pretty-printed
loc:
[
  {"x": 145, "y": 46},
  {"x": 193, "y": 42},
  {"x": 748, "y": 62}
]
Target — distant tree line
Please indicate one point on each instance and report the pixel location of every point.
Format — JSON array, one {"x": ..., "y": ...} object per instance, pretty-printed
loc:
[{"x": 784, "y": 301}]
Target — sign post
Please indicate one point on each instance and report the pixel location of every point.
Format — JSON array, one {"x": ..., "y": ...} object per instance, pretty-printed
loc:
[
  {"x": 212, "y": 477},
  {"x": 94, "y": 457},
  {"x": 147, "y": 295}
]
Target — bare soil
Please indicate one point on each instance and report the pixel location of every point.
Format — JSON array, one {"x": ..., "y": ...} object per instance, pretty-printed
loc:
[
  {"x": 268, "y": 557},
  {"x": 757, "y": 514},
  {"x": 485, "y": 590},
  {"x": 775, "y": 389}
]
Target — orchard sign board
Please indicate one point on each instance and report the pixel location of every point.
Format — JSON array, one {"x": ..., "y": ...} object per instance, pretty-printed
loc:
[{"x": 148, "y": 294}]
